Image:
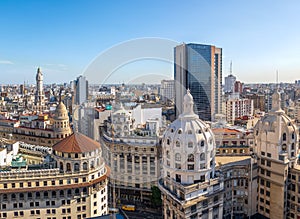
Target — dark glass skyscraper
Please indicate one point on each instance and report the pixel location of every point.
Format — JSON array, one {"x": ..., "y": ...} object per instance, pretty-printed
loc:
[{"x": 198, "y": 67}]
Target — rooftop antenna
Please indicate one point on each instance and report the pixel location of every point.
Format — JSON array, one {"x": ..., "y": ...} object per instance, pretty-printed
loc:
[
  {"x": 231, "y": 67},
  {"x": 277, "y": 82}
]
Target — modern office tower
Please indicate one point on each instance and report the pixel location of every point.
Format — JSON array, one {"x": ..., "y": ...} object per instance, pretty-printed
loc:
[
  {"x": 199, "y": 68},
  {"x": 229, "y": 83},
  {"x": 189, "y": 186},
  {"x": 276, "y": 148},
  {"x": 167, "y": 90},
  {"x": 71, "y": 184},
  {"x": 81, "y": 90},
  {"x": 39, "y": 102}
]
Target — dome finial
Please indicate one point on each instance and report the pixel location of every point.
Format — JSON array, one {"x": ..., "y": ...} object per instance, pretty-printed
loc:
[
  {"x": 188, "y": 105},
  {"x": 276, "y": 101}
]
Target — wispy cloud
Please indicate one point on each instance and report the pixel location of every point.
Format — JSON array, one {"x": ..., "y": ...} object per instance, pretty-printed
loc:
[
  {"x": 6, "y": 62},
  {"x": 61, "y": 67}
]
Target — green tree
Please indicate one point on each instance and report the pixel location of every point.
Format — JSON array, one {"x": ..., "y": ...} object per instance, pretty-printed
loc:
[{"x": 156, "y": 196}]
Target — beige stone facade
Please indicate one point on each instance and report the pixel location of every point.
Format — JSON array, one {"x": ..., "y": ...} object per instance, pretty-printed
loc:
[{"x": 74, "y": 186}]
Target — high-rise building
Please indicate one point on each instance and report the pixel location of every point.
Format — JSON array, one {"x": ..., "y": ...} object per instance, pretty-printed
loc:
[
  {"x": 198, "y": 67},
  {"x": 167, "y": 90},
  {"x": 81, "y": 90},
  {"x": 229, "y": 83},
  {"x": 236, "y": 108}
]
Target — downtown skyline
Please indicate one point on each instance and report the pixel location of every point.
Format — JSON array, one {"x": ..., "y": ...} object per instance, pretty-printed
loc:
[{"x": 63, "y": 37}]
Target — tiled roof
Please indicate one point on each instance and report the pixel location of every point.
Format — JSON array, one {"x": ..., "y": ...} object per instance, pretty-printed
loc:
[
  {"x": 225, "y": 130},
  {"x": 76, "y": 143}
]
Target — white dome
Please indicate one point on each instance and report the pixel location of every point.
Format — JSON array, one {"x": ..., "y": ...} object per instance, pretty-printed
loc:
[{"x": 189, "y": 147}]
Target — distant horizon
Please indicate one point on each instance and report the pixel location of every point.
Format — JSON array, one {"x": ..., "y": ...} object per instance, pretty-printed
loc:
[{"x": 258, "y": 37}]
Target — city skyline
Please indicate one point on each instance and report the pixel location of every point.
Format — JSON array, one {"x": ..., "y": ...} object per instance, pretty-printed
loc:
[{"x": 63, "y": 38}]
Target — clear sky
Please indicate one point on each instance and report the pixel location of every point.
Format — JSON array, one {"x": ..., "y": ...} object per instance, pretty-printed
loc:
[{"x": 64, "y": 36}]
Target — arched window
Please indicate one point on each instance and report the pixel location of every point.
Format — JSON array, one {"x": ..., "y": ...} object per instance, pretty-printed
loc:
[
  {"x": 293, "y": 135},
  {"x": 284, "y": 137},
  {"x": 61, "y": 193},
  {"x": 177, "y": 143},
  {"x": 293, "y": 146},
  {"x": 76, "y": 167},
  {"x": 53, "y": 194},
  {"x": 168, "y": 141},
  {"x": 84, "y": 190},
  {"x": 46, "y": 194},
  {"x": 92, "y": 164},
  {"x": 168, "y": 154},
  {"x": 202, "y": 156},
  {"x": 13, "y": 196},
  {"x": 76, "y": 155},
  {"x": 77, "y": 191},
  {"x": 179, "y": 131},
  {"x": 84, "y": 166},
  {"x": 283, "y": 147},
  {"x": 202, "y": 143},
  {"x": 37, "y": 195},
  {"x": 69, "y": 193},
  {"x": 191, "y": 158},
  {"x": 199, "y": 131},
  {"x": 68, "y": 167},
  {"x": 61, "y": 166},
  {"x": 177, "y": 157},
  {"x": 190, "y": 144}
]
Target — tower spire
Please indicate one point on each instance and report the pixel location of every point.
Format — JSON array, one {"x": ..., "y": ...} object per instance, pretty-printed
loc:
[{"x": 231, "y": 67}]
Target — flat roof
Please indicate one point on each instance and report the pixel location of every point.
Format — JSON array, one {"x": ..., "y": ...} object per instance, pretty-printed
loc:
[{"x": 222, "y": 160}]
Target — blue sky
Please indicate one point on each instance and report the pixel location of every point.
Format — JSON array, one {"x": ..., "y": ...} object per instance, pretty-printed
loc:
[{"x": 64, "y": 36}]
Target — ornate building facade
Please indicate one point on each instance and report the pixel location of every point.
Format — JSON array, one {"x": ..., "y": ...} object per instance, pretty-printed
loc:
[
  {"x": 39, "y": 101},
  {"x": 73, "y": 186},
  {"x": 133, "y": 155},
  {"x": 189, "y": 185},
  {"x": 277, "y": 148},
  {"x": 42, "y": 130}
]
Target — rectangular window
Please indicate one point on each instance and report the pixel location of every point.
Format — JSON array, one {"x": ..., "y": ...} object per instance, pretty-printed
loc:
[
  {"x": 262, "y": 191},
  {"x": 268, "y": 163},
  {"x": 268, "y": 154},
  {"x": 268, "y": 173}
]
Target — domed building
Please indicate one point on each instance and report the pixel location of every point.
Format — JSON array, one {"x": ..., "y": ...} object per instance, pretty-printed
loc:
[
  {"x": 276, "y": 148},
  {"x": 61, "y": 125},
  {"x": 189, "y": 186},
  {"x": 72, "y": 184}
]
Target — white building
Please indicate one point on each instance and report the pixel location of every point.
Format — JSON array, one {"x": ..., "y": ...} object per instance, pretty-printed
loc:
[
  {"x": 189, "y": 186},
  {"x": 8, "y": 150},
  {"x": 167, "y": 90},
  {"x": 81, "y": 90},
  {"x": 236, "y": 108},
  {"x": 142, "y": 113}
]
